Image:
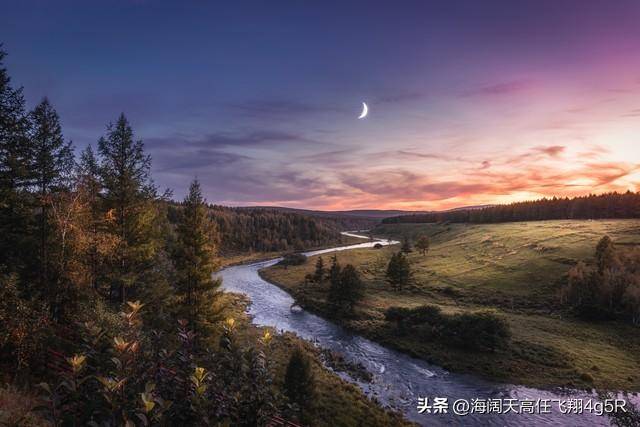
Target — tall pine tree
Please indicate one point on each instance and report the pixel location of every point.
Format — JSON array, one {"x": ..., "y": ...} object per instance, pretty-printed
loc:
[
  {"x": 128, "y": 195},
  {"x": 51, "y": 165},
  {"x": 14, "y": 206},
  {"x": 196, "y": 263}
]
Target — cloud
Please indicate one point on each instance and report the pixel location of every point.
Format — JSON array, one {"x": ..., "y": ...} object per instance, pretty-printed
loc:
[
  {"x": 536, "y": 153},
  {"x": 411, "y": 155},
  {"x": 281, "y": 108},
  {"x": 551, "y": 151},
  {"x": 182, "y": 160},
  {"x": 230, "y": 139},
  {"x": 333, "y": 158},
  {"x": 504, "y": 88},
  {"x": 633, "y": 113},
  {"x": 398, "y": 97}
]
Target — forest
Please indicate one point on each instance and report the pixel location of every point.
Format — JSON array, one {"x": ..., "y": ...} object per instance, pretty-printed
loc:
[
  {"x": 109, "y": 310},
  {"x": 609, "y": 205},
  {"x": 268, "y": 230}
]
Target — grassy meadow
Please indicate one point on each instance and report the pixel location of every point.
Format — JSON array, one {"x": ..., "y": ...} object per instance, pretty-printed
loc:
[{"x": 515, "y": 269}]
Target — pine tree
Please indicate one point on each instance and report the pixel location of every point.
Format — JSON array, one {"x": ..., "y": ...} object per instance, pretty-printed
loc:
[
  {"x": 423, "y": 244},
  {"x": 350, "y": 290},
  {"x": 299, "y": 383},
  {"x": 334, "y": 272},
  {"x": 406, "y": 246},
  {"x": 398, "y": 271},
  {"x": 14, "y": 204},
  {"x": 195, "y": 263},
  {"x": 51, "y": 164},
  {"x": 319, "y": 273},
  {"x": 128, "y": 196}
]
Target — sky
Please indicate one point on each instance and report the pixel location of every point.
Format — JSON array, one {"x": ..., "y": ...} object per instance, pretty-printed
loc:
[{"x": 470, "y": 102}]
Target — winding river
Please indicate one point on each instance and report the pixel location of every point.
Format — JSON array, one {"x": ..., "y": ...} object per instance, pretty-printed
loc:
[{"x": 399, "y": 380}]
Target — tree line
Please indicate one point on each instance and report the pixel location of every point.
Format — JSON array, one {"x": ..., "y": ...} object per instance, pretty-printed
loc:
[
  {"x": 268, "y": 230},
  {"x": 608, "y": 205}
]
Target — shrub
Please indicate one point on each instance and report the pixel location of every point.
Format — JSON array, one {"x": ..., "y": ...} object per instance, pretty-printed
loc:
[
  {"x": 24, "y": 327},
  {"x": 405, "y": 318},
  {"x": 293, "y": 259},
  {"x": 426, "y": 314},
  {"x": 299, "y": 384},
  {"x": 484, "y": 331}
]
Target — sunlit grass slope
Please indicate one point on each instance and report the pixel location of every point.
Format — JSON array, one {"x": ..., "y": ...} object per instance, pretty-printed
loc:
[{"x": 515, "y": 269}]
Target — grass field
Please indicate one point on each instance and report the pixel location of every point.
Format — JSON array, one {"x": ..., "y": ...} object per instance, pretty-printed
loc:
[{"x": 515, "y": 269}]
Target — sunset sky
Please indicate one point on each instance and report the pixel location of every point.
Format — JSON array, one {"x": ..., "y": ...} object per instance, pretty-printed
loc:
[{"x": 471, "y": 102}]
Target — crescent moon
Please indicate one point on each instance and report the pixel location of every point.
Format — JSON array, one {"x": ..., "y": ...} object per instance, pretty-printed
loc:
[{"x": 365, "y": 111}]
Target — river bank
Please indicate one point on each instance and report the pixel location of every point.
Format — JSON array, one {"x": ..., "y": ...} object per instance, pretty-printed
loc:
[
  {"x": 547, "y": 350},
  {"x": 337, "y": 401},
  {"x": 397, "y": 380}
]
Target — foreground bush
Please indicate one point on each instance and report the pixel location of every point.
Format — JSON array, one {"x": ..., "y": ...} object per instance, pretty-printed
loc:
[{"x": 140, "y": 377}]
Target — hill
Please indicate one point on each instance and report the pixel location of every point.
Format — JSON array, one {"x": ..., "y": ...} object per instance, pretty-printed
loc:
[
  {"x": 608, "y": 205},
  {"x": 358, "y": 219},
  {"x": 513, "y": 269}
]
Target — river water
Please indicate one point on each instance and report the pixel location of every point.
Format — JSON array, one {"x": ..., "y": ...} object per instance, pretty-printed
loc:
[{"x": 399, "y": 380}]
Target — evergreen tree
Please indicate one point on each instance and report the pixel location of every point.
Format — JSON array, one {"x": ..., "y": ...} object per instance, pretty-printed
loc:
[
  {"x": 51, "y": 164},
  {"x": 347, "y": 291},
  {"x": 195, "y": 262},
  {"x": 406, "y": 246},
  {"x": 398, "y": 271},
  {"x": 14, "y": 202},
  {"x": 128, "y": 195},
  {"x": 319, "y": 273},
  {"x": 299, "y": 383},
  {"x": 423, "y": 244},
  {"x": 334, "y": 272}
]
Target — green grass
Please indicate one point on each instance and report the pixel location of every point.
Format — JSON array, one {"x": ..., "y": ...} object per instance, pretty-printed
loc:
[{"x": 515, "y": 269}]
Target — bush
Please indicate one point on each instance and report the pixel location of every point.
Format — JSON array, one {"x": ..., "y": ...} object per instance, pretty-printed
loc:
[
  {"x": 406, "y": 318},
  {"x": 484, "y": 331},
  {"x": 293, "y": 259},
  {"x": 299, "y": 384}
]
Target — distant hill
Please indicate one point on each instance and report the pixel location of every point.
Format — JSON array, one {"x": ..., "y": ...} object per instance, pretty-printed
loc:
[
  {"x": 603, "y": 206},
  {"x": 359, "y": 213}
]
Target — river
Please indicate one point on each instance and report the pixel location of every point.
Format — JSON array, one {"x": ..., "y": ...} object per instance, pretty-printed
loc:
[{"x": 398, "y": 379}]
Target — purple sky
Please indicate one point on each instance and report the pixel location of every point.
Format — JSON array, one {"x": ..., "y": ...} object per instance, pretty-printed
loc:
[{"x": 470, "y": 101}]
